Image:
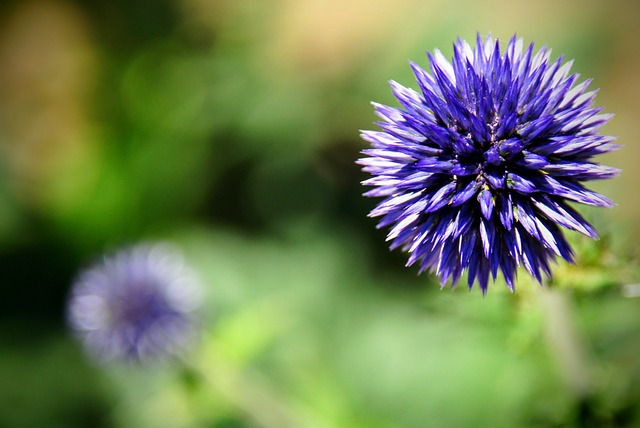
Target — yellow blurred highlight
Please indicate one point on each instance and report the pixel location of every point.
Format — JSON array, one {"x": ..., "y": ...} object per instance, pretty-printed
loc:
[{"x": 47, "y": 72}]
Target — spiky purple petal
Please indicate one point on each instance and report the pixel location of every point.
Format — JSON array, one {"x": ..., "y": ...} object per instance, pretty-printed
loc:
[{"x": 477, "y": 167}]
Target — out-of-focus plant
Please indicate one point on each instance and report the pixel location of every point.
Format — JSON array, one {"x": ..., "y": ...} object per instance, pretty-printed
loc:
[{"x": 137, "y": 304}]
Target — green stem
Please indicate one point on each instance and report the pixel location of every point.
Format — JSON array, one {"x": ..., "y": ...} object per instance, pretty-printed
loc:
[
  {"x": 247, "y": 391},
  {"x": 565, "y": 342}
]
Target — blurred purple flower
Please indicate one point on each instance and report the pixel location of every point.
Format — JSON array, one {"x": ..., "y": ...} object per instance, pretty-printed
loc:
[
  {"x": 477, "y": 170},
  {"x": 138, "y": 304}
]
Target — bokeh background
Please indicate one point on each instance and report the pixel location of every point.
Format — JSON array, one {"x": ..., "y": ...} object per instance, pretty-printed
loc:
[{"x": 230, "y": 128}]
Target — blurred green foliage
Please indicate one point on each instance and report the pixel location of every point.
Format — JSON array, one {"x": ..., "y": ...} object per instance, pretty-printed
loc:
[{"x": 230, "y": 128}]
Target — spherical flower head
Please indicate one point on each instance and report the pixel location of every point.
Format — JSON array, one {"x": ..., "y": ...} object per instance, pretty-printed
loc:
[
  {"x": 138, "y": 304},
  {"x": 479, "y": 167}
]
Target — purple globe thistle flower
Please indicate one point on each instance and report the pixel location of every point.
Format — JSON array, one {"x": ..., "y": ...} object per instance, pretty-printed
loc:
[
  {"x": 137, "y": 304},
  {"x": 478, "y": 169}
]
